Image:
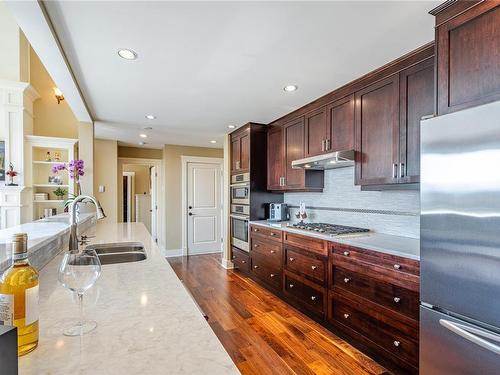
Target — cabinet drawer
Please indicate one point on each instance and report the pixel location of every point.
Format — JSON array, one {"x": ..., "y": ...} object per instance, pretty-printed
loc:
[
  {"x": 271, "y": 250},
  {"x": 270, "y": 233},
  {"x": 266, "y": 272},
  {"x": 388, "y": 295},
  {"x": 309, "y": 265},
  {"x": 309, "y": 243},
  {"x": 394, "y": 263},
  {"x": 375, "y": 328},
  {"x": 241, "y": 260},
  {"x": 307, "y": 294}
]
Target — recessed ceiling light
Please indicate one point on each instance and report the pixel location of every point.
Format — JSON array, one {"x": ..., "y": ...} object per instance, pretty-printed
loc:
[
  {"x": 150, "y": 117},
  {"x": 231, "y": 126},
  {"x": 127, "y": 54},
  {"x": 290, "y": 88},
  {"x": 143, "y": 135},
  {"x": 213, "y": 141}
]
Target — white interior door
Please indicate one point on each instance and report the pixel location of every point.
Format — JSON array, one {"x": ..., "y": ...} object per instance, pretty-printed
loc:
[
  {"x": 154, "y": 204},
  {"x": 204, "y": 208}
]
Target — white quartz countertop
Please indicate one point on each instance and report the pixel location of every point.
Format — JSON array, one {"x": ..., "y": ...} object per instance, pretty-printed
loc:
[
  {"x": 396, "y": 245},
  {"x": 147, "y": 321}
]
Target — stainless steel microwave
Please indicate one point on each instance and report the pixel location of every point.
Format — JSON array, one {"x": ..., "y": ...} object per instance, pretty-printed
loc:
[{"x": 240, "y": 193}]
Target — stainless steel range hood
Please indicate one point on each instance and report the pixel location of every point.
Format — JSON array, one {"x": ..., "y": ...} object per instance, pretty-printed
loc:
[{"x": 337, "y": 159}]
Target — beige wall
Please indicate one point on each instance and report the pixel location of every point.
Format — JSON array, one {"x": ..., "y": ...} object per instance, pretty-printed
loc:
[
  {"x": 173, "y": 192},
  {"x": 86, "y": 153},
  {"x": 51, "y": 119},
  {"x": 106, "y": 173},
  {"x": 137, "y": 152},
  {"x": 141, "y": 182}
]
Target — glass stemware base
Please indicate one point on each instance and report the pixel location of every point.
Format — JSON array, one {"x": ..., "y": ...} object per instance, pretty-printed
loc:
[{"x": 80, "y": 328}]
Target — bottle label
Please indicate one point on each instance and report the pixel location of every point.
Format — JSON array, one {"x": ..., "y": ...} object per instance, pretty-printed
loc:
[
  {"x": 7, "y": 309},
  {"x": 31, "y": 305}
]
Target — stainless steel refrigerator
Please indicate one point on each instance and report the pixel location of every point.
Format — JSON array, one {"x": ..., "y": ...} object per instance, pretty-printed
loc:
[{"x": 460, "y": 243}]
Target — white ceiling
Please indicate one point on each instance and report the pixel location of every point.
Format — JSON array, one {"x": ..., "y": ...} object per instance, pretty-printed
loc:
[{"x": 205, "y": 65}]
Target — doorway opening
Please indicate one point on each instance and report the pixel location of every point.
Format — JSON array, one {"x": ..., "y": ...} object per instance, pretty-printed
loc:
[{"x": 140, "y": 199}]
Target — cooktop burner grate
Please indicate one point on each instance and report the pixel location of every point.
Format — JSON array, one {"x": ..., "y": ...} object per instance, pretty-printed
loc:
[{"x": 331, "y": 229}]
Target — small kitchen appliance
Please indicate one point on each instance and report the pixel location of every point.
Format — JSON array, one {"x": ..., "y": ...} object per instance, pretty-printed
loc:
[{"x": 278, "y": 212}]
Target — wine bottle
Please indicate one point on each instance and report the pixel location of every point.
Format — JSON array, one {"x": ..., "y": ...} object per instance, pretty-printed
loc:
[{"x": 19, "y": 296}]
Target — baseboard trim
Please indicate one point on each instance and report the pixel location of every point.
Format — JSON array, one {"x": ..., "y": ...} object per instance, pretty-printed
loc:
[
  {"x": 169, "y": 253},
  {"x": 205, "y": 252},
  {"x": 227, "y": 264}
]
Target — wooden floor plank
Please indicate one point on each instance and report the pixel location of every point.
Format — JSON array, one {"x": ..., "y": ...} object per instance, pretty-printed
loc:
[{"x": 263, "y": 334}]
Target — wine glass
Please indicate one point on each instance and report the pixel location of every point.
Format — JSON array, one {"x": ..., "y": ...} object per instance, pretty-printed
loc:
[{"x": 78, "y": 271}]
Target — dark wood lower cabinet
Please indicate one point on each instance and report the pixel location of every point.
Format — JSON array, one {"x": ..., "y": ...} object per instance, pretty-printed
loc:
[
  {"x": 370, "y": 297},
  {"x": 241, "y": 260}
]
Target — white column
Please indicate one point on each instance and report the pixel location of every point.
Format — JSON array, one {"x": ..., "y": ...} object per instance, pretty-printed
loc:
[
  {"x": 16, "y": 121},
  {"x": 226, "y": 251}
]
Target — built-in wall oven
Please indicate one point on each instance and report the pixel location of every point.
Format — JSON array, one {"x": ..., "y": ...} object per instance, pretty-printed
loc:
[{"x": 239, "y": 231}]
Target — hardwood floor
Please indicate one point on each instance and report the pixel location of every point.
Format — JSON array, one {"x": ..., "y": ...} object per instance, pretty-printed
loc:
[{"x": 262, "y": 334}]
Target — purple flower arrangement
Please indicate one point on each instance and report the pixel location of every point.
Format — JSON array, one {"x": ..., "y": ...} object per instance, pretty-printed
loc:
[{"x": 75, "y": 169}]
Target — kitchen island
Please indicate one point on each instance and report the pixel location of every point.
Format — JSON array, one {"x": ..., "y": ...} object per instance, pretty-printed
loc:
[{"x": 147, "y": 321}]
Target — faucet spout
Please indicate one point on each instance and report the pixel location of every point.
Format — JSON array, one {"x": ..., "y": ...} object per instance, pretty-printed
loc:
[{"x": 73, "y": 238}]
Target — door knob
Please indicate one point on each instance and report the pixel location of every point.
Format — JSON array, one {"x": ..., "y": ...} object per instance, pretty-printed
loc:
[
  {"x": 190, "y": 214},
  {"x": 190, "y": 207}
]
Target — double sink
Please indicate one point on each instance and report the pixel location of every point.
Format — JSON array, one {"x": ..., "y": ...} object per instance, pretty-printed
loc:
[{"x": 120, "y": 252}]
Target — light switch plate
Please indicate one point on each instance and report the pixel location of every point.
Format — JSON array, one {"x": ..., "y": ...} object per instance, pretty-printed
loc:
[{"x": 102, "y": 188}]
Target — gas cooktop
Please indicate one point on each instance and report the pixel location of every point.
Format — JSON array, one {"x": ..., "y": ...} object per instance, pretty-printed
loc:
[{"x": 331, "y": 229}]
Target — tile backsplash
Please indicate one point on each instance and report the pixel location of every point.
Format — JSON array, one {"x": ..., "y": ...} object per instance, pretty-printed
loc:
[{"x": 391, "y": 212}]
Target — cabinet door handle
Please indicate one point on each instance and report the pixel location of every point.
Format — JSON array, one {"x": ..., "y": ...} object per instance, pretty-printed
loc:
[
  {"x": 255, "y": 245},
  {"x": 272, "y": 234},
  {"x": 397, "y": 266},
  {"x": 346, "y": 316},
  {"x": 292, "y": 259},
  {"x": 243, "y": 261},
  {"x": 291, "y": 286},
  {"x": 255, "y": 230},
  {"x": 346, "y": 280},
  {"x": 313, "y": 267},
  {"x": 397, "y": 299},
  {"x": 313, "y": 298},
  {"x": 255, "y": 267},
  {"x": 272, "y": 275},
  {"x": 395, "y": 170},
  {"x": 396, "y": 343},
  {"x": 237, "y": 165},
  {"x": 401, "y": 169},
  {"x": 346, "y": 253},
  {"x": 328, "y": 144},
  {"x": 273, "y": 251}
]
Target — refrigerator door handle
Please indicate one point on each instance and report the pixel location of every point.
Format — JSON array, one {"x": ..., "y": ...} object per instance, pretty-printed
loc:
[{"x": 469, "y": 333}]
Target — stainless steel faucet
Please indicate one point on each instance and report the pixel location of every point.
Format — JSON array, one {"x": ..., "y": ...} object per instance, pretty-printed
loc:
[{"x": 73, "y": 237}]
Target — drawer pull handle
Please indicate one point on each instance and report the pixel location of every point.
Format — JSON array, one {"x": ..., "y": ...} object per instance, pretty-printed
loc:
[
  {"x": 313, "y": 267},
  {"x": 272, "y": 275},
  {"x": 234, "y": 257},
  {"x": 346, "y": 280},
  {"x": 292, "y": 259},
  {"x": 291, "y": 286},
  {"x": 346, "y": 253},
  {"x": 397, "y": 299},
  {"x": 396, "y": 343},
  {"x": 255, "y": 230},
  {"x": 346, "y": 316},
  {"x": 397, "y": 266},
  {"x": 255, "y": 245},
  {"x": 273, "y": 251},
  {"x": 313, "y": 298},
  {"x": 255, "y": 267},
  {"x": 272, "y": 234},
  {"x": 243, "y": 261}
]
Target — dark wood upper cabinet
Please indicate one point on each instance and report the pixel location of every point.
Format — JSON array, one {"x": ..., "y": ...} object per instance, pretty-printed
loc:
[
  {"x": 416, "y": 100},
  {"x": 468, "y": 54},
  {"x": 240, "y": 151},
  {"x": 377, "y": 132},
  {"x": 317, "y": 132},
  {"x": 275, "y": 159},
  {"x": 293, "y": 133},
  {"x": 340, "y": 121}
]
